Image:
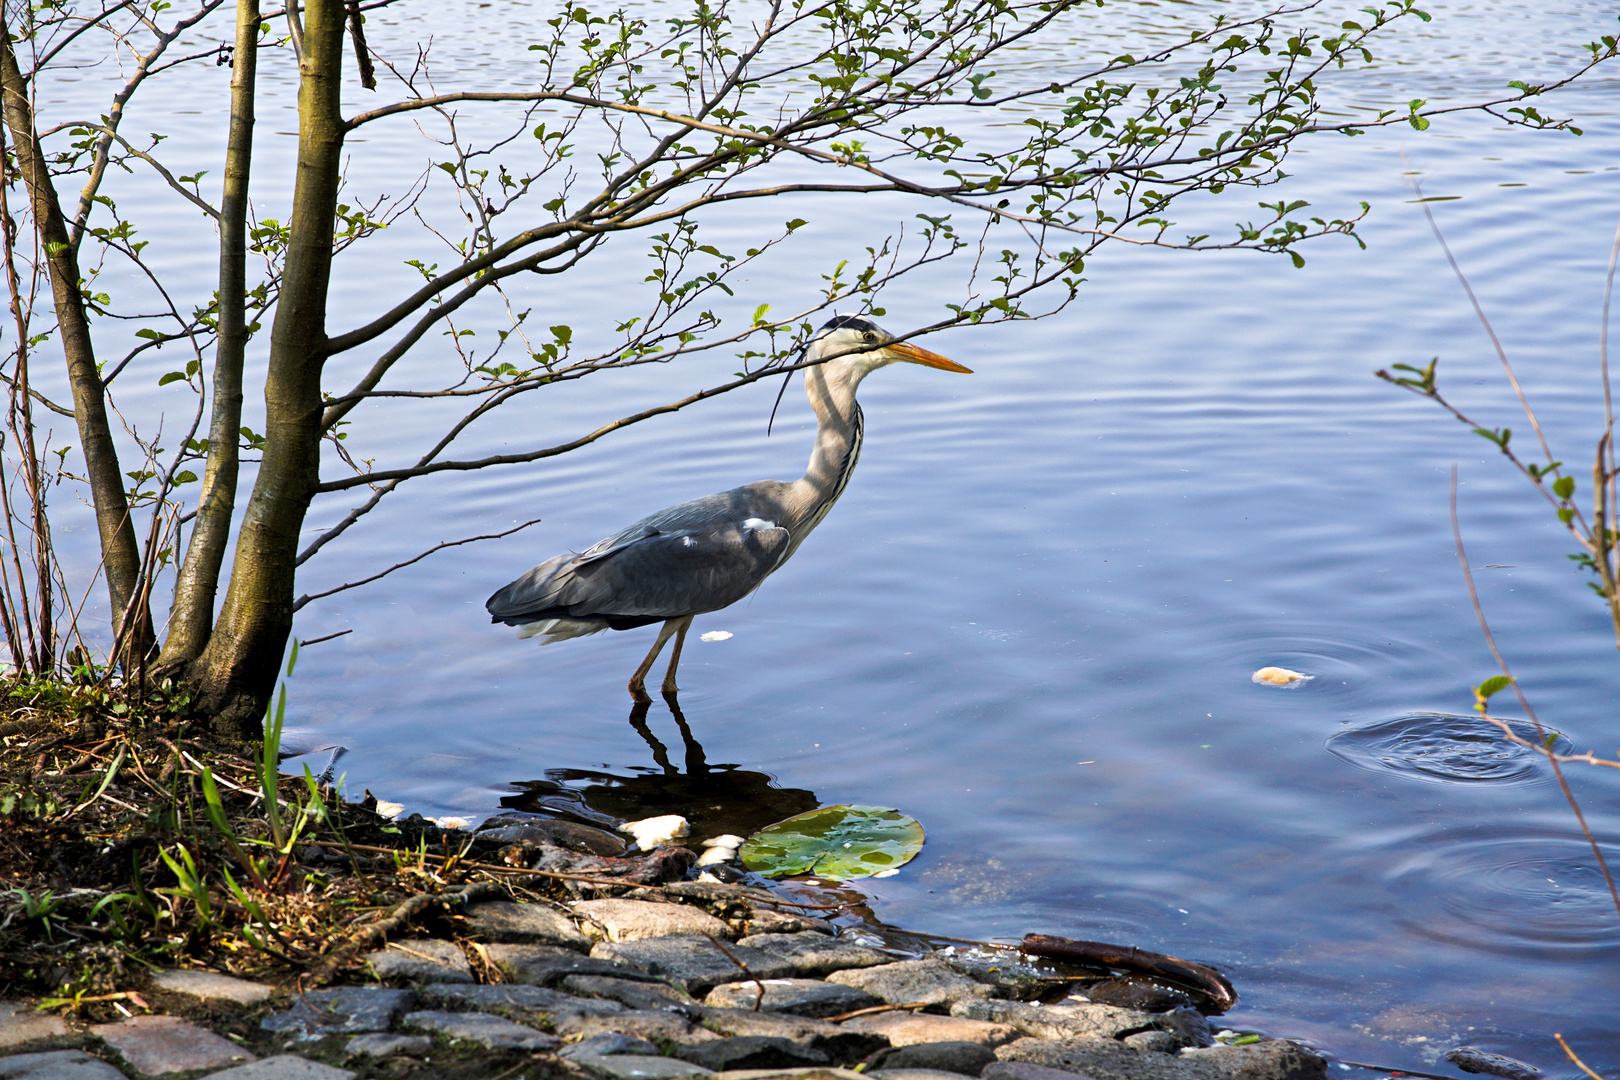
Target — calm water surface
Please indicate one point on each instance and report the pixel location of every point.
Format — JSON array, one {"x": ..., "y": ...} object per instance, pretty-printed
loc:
[{"x": 1032, "y": 619}]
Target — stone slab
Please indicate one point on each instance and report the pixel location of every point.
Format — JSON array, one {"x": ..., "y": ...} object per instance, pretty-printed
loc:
[
  {"x": 1108, "y": 1059},
  {"x": 636, "y": 920},
  {"x": 751, "y": 1052},
  {"x": 157, "y": 1045},
  {"x": 843, "y": 1046},
  {"x": 57, "y": 1065},
  {"x": 426, "y": 960},
  {"x": 282, "y": 1067},
  {"x": 605, "y": 1045},
  {"x": 905, "y": 1029},
  {"x": 818, "y": 1073},
  {"x": 546, "y": 965},
  {"x": 490, "y": 1032},
  {"x": 1072, "y": 1020},
  {"x": 910, "y": 981},
  {"x": 212, "y": 986},
  {"x": 658, "y": 1027},
  {"x": 528, "y": 1004},
  {"x": 639, "y": 1067},
  {"x": 961, "y": 1058},
  {"x": 636, "y": 995},
  {"x": 21, "y": 1023},
  {"x": 1025, "y": 1070},
  {"x": 696, "y": 965},
  {"x": 533, "y": 924},
  {"x": 1160, "y": 1042},
  {"x": 915, "y": 1074},
  {"x": 814, "y": 955},
  {"x": 344, "y": 1010},
  {"x": 766, "y": 921},
  {"x": 797, "y": 997},
  {"x": 381, "y": 1045}
]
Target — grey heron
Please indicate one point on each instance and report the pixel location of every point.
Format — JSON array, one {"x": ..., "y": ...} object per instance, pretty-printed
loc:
[{"x": 706, "y": 554}]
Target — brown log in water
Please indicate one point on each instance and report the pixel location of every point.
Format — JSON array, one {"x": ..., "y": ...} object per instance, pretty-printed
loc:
[{"x": 1205, "y": 979}]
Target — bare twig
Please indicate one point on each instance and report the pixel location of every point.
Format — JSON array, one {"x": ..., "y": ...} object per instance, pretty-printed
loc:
[
  {"x": 759, "y": 987},
  {"x": 1479, "y": 312},
  {"x": 1524, "y": 702},
  {"x": 307, "y": 597},
  {"x": 1578, "y": 1062}
]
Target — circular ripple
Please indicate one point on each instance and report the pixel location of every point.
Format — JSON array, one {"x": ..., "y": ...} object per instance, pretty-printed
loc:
[
  {"x": 1507, "y": 889},
  {"x": 1438, "y": 748}
]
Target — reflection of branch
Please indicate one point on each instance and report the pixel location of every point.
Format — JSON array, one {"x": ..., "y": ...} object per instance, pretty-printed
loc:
[
  {"x": 307, "y": 597},
  {"x": 1524, "y": 702},
  {"x": 1513, "y": 380}
]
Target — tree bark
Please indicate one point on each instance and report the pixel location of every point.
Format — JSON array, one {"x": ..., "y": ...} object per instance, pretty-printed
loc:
[
  {"x": 120, "y": 552},
  {"x": 197, "y": 584},
  {"x": 236, "y": 671}
]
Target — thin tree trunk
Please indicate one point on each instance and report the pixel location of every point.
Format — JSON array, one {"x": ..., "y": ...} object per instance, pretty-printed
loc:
[
  {"x": 120, "y": 553},
  {"x": 237, "y": 670},
  {"x": 198, "y": 581}
]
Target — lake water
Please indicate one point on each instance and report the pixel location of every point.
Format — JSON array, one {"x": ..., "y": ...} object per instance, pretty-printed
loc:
[{"x": 1032, "y": 619}]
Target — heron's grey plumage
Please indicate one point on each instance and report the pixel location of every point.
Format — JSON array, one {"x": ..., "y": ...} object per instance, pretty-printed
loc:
[{"x": 708, "y": 553}]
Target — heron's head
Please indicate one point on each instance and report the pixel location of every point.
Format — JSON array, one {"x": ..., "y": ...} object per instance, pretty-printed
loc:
[{"x": 863, "y": 346}]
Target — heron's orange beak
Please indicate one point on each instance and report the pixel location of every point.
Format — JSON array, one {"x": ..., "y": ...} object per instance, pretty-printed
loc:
[{"x": 905, "y": 350}]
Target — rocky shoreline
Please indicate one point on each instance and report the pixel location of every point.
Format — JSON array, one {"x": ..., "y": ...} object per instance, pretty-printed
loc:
[{"x": 691, "y": 979}]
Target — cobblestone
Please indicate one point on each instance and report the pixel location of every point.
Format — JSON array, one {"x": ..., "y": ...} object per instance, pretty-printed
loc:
[
  {"x": 20, "y": 1024},
  {"x": 636, "y": 920},
  {"x": 490, "y": 1032},
  {"x": 799, "y": 997},
  {"x": 534, "y": 924},
  {"x": 56, "y": 1065},
  {"x": 421, "y": 961},
  {"x": 694, "y": 964},
  {"x": 156, "y": 1045},
  {"x": 212, "y": 986}
]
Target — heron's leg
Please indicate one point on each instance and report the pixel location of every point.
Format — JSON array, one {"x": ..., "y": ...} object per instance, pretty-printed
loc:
[
  {"x": 675, "y": 657},
  {"x": 638, "y": 683}
]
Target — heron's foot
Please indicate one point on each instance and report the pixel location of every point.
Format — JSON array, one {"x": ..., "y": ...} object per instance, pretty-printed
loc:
[
  {"x": 638, "y": 692},
  {"x": 669, "y": 687},
  {"x": 671, "y": 694}
]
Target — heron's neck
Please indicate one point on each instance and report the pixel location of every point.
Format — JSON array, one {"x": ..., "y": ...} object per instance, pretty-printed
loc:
[{"x": 831, "y": 389}]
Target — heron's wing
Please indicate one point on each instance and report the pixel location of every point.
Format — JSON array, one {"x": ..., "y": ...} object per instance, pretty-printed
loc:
[
  {"x": 650, "y": 575},
  {"x": 668, "y": 575}
]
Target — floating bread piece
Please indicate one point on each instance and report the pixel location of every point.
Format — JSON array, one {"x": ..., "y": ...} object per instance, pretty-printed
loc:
[{"x": 1280, "y": 676}]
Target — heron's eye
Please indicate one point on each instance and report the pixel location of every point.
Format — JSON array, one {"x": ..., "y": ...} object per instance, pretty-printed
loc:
[{"x": 869, "y": 336}]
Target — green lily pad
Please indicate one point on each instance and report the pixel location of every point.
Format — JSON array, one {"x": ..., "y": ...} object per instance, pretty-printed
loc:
[{"x": 839, "y": 843}]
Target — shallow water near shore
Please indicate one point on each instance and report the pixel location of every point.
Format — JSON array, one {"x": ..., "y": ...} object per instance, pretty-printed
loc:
[{"x": 1032, "y": 619}]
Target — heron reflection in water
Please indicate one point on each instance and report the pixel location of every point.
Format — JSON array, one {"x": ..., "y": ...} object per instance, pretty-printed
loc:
[
  {"x": 714, "y": 798},
  {"x": 706, "y": 554}
]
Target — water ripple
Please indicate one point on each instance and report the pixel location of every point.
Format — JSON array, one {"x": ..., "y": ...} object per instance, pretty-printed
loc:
[
  {"x": 1507, "y": 889},
  {"x": 1440, "y": 748}
]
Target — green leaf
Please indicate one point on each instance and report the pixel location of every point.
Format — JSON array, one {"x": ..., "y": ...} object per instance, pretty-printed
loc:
[
  {"x": 1564, "y": 487},
  {"x": 839, "y": 843},
  {"x": 1493, "y": 685},
  {"x": 173, "y": 376}
]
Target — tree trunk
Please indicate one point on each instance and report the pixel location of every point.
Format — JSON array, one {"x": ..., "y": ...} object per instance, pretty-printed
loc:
[
  {"x": 236, "y": 672},
  {"x": 198, "y": 581},
  {"x": 121, "y": 557}
]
